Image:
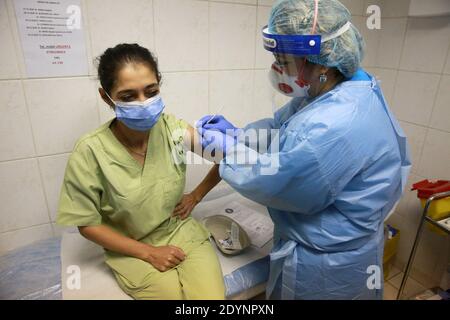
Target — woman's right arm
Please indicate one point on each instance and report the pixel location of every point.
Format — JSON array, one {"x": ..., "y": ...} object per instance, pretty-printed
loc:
[{"x": 162, "y": 258}]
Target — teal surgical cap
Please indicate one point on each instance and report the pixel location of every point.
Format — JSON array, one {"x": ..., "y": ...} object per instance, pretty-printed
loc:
[{"x": 296, "y": 17}]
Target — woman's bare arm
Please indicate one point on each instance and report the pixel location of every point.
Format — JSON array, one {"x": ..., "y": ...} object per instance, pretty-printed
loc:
[
  {"x": 192, "y": 141},
  {"x": 190, "y": 200},
  {"x": 162, "y": 258},
  {"x": 212, "y": 178}
]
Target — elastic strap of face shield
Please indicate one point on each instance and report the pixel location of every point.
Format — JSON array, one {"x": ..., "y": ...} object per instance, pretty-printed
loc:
[
  {"x": 337, "y": 33},
  {"x": 330, "y": 36},
  {"x": 316, "y": 13},
  {"x": 300, "y": 79}
]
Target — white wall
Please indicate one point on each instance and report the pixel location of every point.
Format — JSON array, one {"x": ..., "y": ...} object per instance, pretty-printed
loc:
[
  {"x": 411, "y": 58},
  {"x": 211, "y": 55}
]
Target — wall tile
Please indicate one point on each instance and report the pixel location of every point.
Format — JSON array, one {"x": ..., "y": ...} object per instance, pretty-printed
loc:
[
  {"x": 253, "y": 2},
  {"x": 416, "y": 138},
  {"x": 9, "y": 65},
  {"x": 387, "y": 78},
  {"x": 371, "y": 40},
  {"x": 186, "y": 95},
  {"x": 114, "y": 21},
  {"x": 196, "y": 170},
  {"x": 181, "y": 34},
  {"x": 447, "y": 65},
  {"x": 414, "y": 96},
  {"x": 435, "y": 161},
  {"x": 106, "y": 113},
  {"x": 16, "y": 38},
  {"x": 391, "y": 42},
  {"x": 231, "y": 36},
  {"x": 440, "y": 118},
  {"x": 266, "y": 100},
  {"x": 52, "y": 172},
  {"x": 396, "y": 8},
  {"x": 426, "y": 44},
  {"x": 409, "y": 206},
  {"x": 389, "y": 8},
  {"x": 266, "y": 2},
  {"x": 367, "y": 3},
  {"x": 61, "y": 110},
  {"x": 264, "y": 97},
  {"x": 264, "y": 58},
  {"x": 15, "y": 131},
  {"x": 356, "y": 7},
  {"x": 22, "y": 237},
  {"x": 22, "y": 196},
  {"x": 92, "y": 65},
  {"x": 224, "y": 85}
]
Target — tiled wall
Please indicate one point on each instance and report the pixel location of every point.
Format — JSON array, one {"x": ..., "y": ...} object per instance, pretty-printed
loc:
[
  {"x": 411, "y": 58},
  {"x": 211, "y": 56}
]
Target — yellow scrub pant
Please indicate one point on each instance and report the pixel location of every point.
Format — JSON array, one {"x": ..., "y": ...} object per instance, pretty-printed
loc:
[{"x": 198, "y": 277}]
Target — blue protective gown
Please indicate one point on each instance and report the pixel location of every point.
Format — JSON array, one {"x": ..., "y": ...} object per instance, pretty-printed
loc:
[{"x": 343, "y": 161}]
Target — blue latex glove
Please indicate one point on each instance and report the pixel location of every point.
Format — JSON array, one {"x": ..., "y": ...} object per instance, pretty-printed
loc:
[
  {"x": 215, "y": 142},
  {"x": 218, "y": 123}
]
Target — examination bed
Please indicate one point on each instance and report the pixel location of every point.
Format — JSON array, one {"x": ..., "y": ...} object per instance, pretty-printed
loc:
[{"x": 43, "y": 270}]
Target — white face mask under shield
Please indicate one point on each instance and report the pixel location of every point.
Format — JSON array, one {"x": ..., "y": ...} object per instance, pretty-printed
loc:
[{"x": 291, "y": 86}]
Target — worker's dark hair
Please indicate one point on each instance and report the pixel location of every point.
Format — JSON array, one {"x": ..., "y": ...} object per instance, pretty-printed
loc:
[{"x": 113, "y": 59}]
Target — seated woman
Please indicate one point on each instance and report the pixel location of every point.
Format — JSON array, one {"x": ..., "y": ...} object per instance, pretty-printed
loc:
[{"x": 122, "y": 186}]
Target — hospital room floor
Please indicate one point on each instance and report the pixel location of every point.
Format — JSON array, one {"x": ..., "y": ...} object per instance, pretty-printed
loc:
[
  {"x": 393, "y": 282},
  {"x": 391, "y": 286}
]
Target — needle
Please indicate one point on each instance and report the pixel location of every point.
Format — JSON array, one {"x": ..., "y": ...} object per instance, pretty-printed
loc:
[{"x": 220, "y": 110}]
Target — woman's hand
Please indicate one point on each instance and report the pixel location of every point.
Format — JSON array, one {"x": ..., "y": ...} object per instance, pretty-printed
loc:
[
  {"x": 162, "y": 258},
  {"x": 165, "y": 257},
  {"x": 186, "y": 205}
]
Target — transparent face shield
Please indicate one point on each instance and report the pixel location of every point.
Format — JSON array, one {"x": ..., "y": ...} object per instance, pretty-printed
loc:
[{"x": 299, "y": 46}]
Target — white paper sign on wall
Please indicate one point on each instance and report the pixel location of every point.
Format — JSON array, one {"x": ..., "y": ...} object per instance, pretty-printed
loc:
[{"x": 52, "y": 37}]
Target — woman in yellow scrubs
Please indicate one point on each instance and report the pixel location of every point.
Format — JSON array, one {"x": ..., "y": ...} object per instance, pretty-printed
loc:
[{"x": 124, "y": 180}]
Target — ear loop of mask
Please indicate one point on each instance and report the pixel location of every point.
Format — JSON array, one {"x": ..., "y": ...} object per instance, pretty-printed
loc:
[
  {"x": 300, "y": 80},
  {"x": 109, "y": 97}
]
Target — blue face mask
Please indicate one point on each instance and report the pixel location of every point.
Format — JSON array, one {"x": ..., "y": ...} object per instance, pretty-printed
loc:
[{"x": 140, "y": 116}]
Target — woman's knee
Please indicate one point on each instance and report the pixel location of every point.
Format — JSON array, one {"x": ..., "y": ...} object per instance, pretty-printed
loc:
[
  {"x": 201, "y": 275},
  {"x": 166, "y": 286}
]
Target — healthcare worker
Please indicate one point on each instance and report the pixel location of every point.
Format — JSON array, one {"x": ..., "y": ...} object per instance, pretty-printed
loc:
[
  {"x": 339, "y": 166},
  {"x": 124, "y": 180}
]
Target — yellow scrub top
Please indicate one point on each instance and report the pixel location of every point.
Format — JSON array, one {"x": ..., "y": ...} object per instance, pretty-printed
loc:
[{"x": 104, "y": 184}]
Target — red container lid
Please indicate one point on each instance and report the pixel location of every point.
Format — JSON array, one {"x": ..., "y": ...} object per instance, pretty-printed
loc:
[{"x": 426, "y": 188}]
